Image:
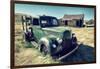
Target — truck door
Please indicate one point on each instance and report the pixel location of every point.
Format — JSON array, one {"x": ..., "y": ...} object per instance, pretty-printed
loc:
[{"x": 38, "y": 32}]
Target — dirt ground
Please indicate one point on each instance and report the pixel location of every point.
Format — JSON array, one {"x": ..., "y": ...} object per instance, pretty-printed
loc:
[
  {"x": 85, "y": 35},
  {"x": 32, "y": 56}
]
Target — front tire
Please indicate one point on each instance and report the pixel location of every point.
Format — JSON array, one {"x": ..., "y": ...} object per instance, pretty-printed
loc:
[{"x": 43, "y": 49}]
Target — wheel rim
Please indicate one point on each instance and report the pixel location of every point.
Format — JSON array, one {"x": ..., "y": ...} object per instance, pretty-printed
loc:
[{"x": 44, "y": 49}]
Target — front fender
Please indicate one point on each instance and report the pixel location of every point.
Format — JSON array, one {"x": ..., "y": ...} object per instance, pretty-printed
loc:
[
  {"x": 45, "y": 41},
  {"x": 48, "y": 43}
]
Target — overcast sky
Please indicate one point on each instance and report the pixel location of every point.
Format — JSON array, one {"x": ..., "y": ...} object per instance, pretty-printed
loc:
[{"x": 57, "y": 11}]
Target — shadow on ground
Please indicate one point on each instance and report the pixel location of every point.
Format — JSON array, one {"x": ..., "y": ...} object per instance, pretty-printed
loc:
[{"x": 84, "y": 53}]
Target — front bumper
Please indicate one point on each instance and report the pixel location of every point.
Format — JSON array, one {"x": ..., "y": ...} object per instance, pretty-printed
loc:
[{"x": 69, "y": 53}]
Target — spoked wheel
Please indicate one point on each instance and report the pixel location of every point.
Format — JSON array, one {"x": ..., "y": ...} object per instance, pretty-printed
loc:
[{"x": 43, "y": 49}]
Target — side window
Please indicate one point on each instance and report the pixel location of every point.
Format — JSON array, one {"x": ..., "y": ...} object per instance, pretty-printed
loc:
[
  {"x": 44, "y": 22},
  {"x": 55, "y": 22},
  {"x": 35, "y": 21}
]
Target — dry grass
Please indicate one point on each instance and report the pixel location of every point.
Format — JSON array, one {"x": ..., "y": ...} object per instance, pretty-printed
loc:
[
  {"x": 28, "y": 56},
  {"x": 31, "y": 56},
  {"x": 85, "y": 35}
]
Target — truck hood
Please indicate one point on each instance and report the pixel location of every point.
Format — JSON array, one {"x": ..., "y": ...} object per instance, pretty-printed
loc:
[{"x": 55, "y": 32}]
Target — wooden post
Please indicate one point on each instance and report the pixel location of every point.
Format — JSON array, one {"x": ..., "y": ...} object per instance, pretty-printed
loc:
[
  {"x": 26, "y": 24},
  {"x": 22, "y": 23}
]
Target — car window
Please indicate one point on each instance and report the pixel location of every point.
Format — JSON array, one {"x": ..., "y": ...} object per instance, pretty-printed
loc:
[
  {"x": 55, "y": 22},
  {"x": 35, "y": 21},
  {"x": 48, "y": 21},
  {"x": 44, "y": 22}
]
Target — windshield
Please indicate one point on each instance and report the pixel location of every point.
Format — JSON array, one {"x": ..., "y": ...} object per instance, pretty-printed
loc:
[{"x": 48, "y": 22}]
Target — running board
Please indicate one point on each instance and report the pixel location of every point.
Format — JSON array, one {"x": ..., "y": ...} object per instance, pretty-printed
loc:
[{"x": 68, "y": 53}]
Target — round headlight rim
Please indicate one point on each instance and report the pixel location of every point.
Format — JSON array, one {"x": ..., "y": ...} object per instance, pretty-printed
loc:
[
  {"x": 59, "y": 40},
  {"x": 54, "y": 46}
]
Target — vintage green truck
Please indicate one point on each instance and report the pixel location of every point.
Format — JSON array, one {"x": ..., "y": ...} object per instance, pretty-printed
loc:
[{"x": 51, "y": 38}]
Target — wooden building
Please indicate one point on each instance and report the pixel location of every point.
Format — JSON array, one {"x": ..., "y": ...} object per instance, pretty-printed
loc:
[
  {"x": 72, "y": 20},
  {"x": 18, "y": 17},
  {"x": 90, "y": 23}
]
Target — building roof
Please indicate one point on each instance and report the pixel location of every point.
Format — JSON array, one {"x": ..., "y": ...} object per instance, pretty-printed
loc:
[{"x": 71, "y": 17}]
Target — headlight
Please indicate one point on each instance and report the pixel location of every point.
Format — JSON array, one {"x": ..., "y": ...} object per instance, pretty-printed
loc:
[
  {"x": 67, "y": 34},
  {"x": 54, "y": 46},
  {"x": 59, "y": 40}
]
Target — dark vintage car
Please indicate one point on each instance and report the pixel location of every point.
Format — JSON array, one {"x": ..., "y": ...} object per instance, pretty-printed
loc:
[{"x": 51, "y": 38}]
